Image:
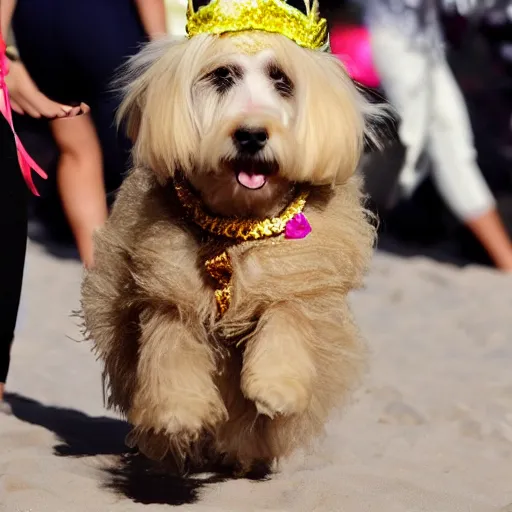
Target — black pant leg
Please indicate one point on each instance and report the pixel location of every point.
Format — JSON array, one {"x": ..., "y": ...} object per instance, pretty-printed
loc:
[{"x": 13, "y": 232}]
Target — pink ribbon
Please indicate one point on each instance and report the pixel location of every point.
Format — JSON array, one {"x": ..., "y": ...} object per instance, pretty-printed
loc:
[{"x": 25, "y": 160}]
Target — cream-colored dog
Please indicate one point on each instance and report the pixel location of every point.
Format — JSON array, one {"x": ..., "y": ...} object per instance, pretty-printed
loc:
[{"x": 232, "y": 128}]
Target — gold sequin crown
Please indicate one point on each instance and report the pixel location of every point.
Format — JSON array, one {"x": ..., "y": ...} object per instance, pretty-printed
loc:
[{"x": 276, "y": 16}]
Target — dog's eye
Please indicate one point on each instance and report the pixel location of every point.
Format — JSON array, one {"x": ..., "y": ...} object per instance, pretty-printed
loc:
[
  {"x": 224, "y": 77},
  {"x": 280, "y": 79},
  {"x": 222, "y": 72}
]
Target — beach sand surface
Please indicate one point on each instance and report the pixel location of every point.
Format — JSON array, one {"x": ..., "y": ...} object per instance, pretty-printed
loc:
[{"x": 429, "y": 430}]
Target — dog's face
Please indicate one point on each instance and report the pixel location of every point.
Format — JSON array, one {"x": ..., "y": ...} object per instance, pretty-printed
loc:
[
  {"x": 245, "y": 106},
  {"x": 244, "y": 118}
]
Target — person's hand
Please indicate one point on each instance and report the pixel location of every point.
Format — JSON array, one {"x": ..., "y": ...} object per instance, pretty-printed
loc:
[{"x": 26, "y": 98}]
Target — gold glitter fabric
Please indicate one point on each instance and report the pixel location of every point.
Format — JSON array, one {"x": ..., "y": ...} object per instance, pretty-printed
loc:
[
  {"x": 274, "y": 16},
  {"x": 237, "y": 230},
  {"x": 220, "y": 269},
  {"x": 233, "y": 228}
]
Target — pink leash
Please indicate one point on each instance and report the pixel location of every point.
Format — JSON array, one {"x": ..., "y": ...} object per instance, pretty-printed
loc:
[{"x": 24, "y": 159}]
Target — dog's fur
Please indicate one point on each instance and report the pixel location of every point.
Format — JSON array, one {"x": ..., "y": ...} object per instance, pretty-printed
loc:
[{"x": 171, "y": 365}]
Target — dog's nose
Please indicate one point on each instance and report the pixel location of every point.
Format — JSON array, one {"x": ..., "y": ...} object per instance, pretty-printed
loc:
[{"x": 250, "y": 140}]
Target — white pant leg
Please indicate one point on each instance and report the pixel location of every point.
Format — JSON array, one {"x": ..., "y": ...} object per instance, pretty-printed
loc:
[
  {"x": 456, "y": 173},
  {"x": 404, "y": 76}
]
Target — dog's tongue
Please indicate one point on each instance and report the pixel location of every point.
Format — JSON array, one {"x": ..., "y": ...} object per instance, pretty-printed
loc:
[{"x": 252, "y": 181}]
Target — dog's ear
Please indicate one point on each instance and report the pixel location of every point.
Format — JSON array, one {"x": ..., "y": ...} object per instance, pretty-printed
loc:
[
  {"x": 156, "y": 111},
  {"x": 130, "y": 82},
  {"x": 332, "y": 119}
]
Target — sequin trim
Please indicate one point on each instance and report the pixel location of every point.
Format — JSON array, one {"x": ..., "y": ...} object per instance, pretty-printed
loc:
[
  {"x": 273, "y": 16},
  {"x": 219, "y": 268}
]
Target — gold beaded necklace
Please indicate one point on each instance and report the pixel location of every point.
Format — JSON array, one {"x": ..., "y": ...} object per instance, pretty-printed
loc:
[{"x": 219, "y": 268}]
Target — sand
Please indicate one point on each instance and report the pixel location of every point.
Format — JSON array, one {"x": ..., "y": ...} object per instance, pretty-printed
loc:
[{"x": 430, "y": 430}]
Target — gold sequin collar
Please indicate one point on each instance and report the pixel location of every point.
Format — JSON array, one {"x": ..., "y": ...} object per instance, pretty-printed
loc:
[
  {"x": 219, "y": 267},
  {"x": 233, "y": 228}
]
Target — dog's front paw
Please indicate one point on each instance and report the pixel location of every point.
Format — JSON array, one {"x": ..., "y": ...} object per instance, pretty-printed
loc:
[
  {"x": 283, "y": 395},
  {"x": 178, "y": 415}
]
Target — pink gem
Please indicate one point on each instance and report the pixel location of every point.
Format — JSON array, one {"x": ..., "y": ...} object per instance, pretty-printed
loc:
[{"x": 297, "y": 227}]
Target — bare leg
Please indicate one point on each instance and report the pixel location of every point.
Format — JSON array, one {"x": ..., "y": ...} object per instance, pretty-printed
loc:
[
  {"x": 80, "y": 180},
  {"x": 489, "y": 230}
]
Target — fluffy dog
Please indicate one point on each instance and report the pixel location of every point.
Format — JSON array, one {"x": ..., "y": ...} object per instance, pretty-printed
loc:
[{"x": 245, "y": 121}]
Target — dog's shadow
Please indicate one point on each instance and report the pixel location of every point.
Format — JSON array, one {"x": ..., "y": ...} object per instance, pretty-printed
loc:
[
  {"x": 147, "y": 482},
  {"x": 132, "y": 475}
]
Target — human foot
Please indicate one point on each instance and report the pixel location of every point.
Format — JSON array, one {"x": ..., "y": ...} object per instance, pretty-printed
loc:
[{"x": 5, "y": 408}]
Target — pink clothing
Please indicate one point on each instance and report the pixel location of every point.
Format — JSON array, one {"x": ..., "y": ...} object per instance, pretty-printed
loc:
[
  {"x": 26, "y": 163},
  {"x": 351, "y": 44}
]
